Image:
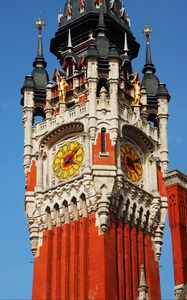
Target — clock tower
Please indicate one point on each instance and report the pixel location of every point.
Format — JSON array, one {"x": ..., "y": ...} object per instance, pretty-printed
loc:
[{"x": 95, "y": 154}]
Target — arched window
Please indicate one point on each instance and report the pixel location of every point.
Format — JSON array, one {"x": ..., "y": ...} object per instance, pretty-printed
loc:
[
  {"x": 74, "y": 208},
  {"x": 83, "y": 203},
  {"x": 57, "y": 215},
  {"x": 48, "y": 218},
  {"x": 103, "y": 140}
]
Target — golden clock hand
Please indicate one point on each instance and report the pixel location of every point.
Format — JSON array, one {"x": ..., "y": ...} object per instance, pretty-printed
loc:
[
  {"x": 136, "y": 160},
  {"x": 131, "y": 164},
  {"x": 68, "y": 159}
]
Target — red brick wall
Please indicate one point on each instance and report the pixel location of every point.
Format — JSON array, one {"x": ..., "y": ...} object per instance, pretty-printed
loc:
[
  {"x": 98, "y": 159},
  {"x": 31, "y": 178},
  {"x": 177, "y": 212},
  {"x": 75, "y": 262}
]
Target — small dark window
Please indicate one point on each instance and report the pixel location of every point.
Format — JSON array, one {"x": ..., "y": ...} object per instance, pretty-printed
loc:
[{"x": 103, "y": 140}]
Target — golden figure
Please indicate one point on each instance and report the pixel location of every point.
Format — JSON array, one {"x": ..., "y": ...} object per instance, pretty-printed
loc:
[
  {"x": 137, "y": 93},
  {"x": 62, "y": 87}
]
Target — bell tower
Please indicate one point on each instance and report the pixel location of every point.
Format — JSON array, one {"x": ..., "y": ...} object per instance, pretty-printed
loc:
[{"x": 95, "y": 154}]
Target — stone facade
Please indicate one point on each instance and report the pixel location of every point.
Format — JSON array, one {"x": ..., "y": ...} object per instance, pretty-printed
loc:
[{"x": 100, "y": 115}]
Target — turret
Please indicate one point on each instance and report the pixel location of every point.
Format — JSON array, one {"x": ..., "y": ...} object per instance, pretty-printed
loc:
[{"x": 39, "y": 75}]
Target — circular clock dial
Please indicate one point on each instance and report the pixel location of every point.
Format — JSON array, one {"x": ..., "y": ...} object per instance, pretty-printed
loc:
[
  {"x": 68, "y": 160},
  {"x": 131, "y": 163}
]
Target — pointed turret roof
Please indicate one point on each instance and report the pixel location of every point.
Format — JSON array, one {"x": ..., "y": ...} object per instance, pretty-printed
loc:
[
  {"x": 149, "y": 66},
  {"x": 82, "y": 22},
  {"x": 150, "y": 81},
  {"x": 70, "y": 47},
  {"x": 40, "y": 60},
  {"x": 70, "y": 53},
  {"x": 125, "y": 57},
  {"x": 102, "y": 42},
  {"x": 39, "y": 72}
]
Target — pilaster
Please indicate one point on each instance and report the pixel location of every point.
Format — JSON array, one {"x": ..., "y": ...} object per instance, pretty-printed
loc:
[
  {"x": 163, "y": 123},
  {"x": 28, "y": 112},
  {"x": 92, "y": 75}
]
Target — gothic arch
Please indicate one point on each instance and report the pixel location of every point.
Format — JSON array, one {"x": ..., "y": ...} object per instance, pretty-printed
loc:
[
  {"x": 60, "y": 132},
  {"x": 48, "y": 218},
  {"x": 133, "y": 133}
]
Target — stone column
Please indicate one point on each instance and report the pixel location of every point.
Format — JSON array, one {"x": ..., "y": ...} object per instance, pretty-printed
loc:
[
  {"x": 92, "y": 76},
  {"x": 48, "y": 107},
  {"x": 113, "y": 82},
  {"x": 28, "y": 111},
  {"x": 144, "y": 113},
  {"x": 39, "y": 184},
  {"x": 163, "y": 123}
]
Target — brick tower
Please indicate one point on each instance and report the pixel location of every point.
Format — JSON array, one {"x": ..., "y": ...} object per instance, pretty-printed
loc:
[
  {"x": 177, "y": 211},
  {"x": 95, "y": 199}
]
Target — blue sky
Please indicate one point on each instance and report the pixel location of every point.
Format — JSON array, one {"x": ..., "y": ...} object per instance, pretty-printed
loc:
[{"x": 18, "y": 50}]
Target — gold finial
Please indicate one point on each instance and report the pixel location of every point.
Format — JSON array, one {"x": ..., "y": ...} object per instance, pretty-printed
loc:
[
  {"x": 147, "y": 31},
  {"x": 40, "y": 24}
]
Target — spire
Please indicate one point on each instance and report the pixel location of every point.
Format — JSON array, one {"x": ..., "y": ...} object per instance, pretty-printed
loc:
[
  {"x": 101, "y": 28},
  {"x": 40, "y": 60},
  {"x": 70, "y": 47},
  {"x": 39, "y": 73},
  {"x": 149, "y": 81},
  {"x": 125, "y": 57},
  {"x": 148, "y": 67},
  {"x": 142, "y": 289},
  {"x": 126, "y": 49},
  {"x": 102, "y": 42}
]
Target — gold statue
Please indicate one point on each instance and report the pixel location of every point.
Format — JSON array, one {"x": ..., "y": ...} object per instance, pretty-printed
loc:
[
  {"x": 137, "y": 93},
  {"x": 62, "y": 87}
]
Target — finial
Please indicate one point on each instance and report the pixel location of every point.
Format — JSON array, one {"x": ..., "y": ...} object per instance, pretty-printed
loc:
[
  {"x": 40, "y": 24},
  {"x": 39, "y": 60},
  {"x": 69, "y": 41},
  {"x": 126, "y": 49},
  {"x": 125, "y": 57},
  {"x": 148, "y": 61},
  {"x": 147, "y": 31},
  {"x": 101, "y": 25},
  {"x": 60, "y": 15}
]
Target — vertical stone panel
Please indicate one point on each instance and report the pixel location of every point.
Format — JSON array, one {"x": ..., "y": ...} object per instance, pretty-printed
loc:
[
  {"x": 64, "y": 262},
  {"x": 96, "y": 260},
  {"x": 55, "y": 263},
  {"x": 83, "y": 256},
  {"x": 110, "y": 264},
  {"x": 134, "y": 262},
  {"x": 73, "y": 252},
  {"x": 120, "y": 260},
  {"x": 127, "y": 255},
  {"x": 140, "y": 249}
]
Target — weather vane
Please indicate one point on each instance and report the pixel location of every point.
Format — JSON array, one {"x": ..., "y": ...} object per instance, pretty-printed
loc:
[
  {"x": 147, "y": 31},
  {"x": 40, "y": 24}
]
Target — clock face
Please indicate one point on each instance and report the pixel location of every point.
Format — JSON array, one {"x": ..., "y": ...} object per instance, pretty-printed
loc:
[
  {"x": 68, "y": 160},
  {"x": 131, "y": 163}
]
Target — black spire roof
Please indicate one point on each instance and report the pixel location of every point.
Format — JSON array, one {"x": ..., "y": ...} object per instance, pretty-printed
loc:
[
  {"x": 39, "y": 72},
  {"x": 39, "y": 78},
  {"x": 81, "y": 16},
  {"x": 102, "y": 42},
  {"x": 150, "y": 81}
]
